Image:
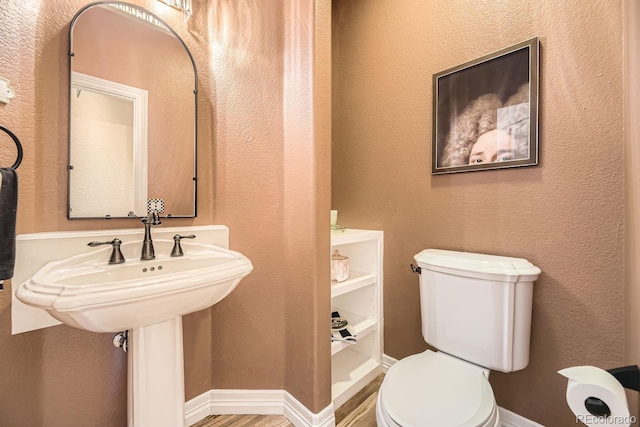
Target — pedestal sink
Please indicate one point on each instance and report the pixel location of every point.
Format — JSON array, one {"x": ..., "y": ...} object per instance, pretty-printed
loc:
[{"x": 148, "y": 298}]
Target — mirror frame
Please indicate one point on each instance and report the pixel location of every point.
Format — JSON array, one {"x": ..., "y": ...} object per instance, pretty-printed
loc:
[{"x": 195, "y": 119}]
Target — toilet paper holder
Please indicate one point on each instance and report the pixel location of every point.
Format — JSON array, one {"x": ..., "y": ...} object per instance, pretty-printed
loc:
[{"x": 627, "y": 376}]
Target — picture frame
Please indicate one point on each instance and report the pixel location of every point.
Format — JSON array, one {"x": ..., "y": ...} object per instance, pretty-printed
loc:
[{"x": 485, "y": 112}]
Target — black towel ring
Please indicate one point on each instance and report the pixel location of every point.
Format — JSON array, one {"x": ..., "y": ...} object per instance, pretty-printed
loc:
[{"x": 18, "y": 146}]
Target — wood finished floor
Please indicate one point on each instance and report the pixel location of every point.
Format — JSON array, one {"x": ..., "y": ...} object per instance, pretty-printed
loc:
[{"x": 359, "y": 411}]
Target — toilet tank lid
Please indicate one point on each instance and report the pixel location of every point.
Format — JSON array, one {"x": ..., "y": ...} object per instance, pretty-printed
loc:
[{"x": 469, "y": 264}]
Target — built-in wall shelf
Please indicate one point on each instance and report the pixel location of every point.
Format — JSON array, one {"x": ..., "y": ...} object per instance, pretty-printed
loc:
[
  {"x": 356, "y": 280},
  {"x": 361, "y": 326},
  {"x": 351, "y": 372},
  {"x": 359, "y": 300}
]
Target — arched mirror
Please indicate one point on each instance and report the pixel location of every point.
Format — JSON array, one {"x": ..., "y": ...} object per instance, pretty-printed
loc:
[{"x": 132, "y": 115}]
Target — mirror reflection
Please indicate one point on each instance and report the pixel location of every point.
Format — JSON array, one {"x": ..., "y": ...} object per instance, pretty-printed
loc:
[{"x": 132, "y": 120}]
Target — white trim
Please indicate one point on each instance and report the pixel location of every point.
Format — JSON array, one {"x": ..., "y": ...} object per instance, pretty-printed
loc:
[
  {"x": 387, "y": 363},
  {"x": 197, "y": 409},
  {"x": 507, "y": 418},
  {"x": 140, "y": 100},
  {"x": 261, "y": 402},
  {"x": 300, "y": 416}
]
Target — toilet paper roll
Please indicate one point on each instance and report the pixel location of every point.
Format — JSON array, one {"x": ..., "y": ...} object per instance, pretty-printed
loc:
[{"x": 589, "y": 382}]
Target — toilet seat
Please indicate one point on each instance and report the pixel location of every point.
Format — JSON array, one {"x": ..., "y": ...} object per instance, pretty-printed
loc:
[{"x": 438, "y": 390}]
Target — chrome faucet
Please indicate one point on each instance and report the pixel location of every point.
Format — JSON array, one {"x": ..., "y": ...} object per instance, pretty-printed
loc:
[{"x": 147, "y": 243}]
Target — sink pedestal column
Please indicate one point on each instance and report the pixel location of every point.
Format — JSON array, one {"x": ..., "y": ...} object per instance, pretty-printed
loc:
[{"x": 155, "y": 375}]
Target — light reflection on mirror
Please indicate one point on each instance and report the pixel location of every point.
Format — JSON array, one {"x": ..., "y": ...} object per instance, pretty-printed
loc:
[{"x": 132, "y": 134}]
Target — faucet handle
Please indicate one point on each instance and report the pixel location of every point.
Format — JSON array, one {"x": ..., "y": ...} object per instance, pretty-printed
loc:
[
  {"x": 177, "y": 249},
  {"x": 116, "y": 254},
  {"x": 153, "y": 218}
]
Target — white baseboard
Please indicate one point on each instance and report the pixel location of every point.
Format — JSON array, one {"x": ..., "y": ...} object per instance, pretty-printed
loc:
[
  {"x": 387, "y": 363},
  {"x": 300, "y": 416},
  {"x": 261, "y": 402},
  {"x": 197, "y": 409},
  {"x": 507, "y": 418}
]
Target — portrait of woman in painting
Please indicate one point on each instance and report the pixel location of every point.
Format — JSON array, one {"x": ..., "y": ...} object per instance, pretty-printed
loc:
[{"x": 483, "y": 114}]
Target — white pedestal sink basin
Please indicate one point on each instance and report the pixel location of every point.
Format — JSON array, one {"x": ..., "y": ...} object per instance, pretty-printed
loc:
[
  {"x": 86, "y": 292},
  {"x": 148, "y": 298}
]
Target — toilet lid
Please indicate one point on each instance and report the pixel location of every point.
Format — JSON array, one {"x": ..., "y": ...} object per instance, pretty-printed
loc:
[{"x": 434, "y": 389}]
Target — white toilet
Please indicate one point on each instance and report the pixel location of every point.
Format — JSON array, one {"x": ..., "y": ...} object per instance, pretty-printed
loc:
[{"x": 476, "y": 310}]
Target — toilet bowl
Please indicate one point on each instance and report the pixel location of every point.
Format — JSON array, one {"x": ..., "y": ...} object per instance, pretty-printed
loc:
[
  {"x": 476, "y": 310},
  {"x": 433, "y": 389}
]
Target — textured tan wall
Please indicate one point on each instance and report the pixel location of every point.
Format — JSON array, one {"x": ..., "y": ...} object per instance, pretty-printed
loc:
[
  {"x": 268, "y": 182},
  {"x": 565, "y": 216},
  {"x": 62, "y": 376},
  {"x": 632, "y": 185},
  {"x": 308, "y": 77},
  {"x": 273, "y": 189}
]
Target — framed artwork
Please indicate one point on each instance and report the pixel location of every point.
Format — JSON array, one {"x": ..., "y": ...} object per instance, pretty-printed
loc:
[{"x": 485, "y": 112}]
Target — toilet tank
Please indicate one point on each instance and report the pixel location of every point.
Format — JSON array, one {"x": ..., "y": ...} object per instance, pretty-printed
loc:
[{"x": 477, "y": 307}]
